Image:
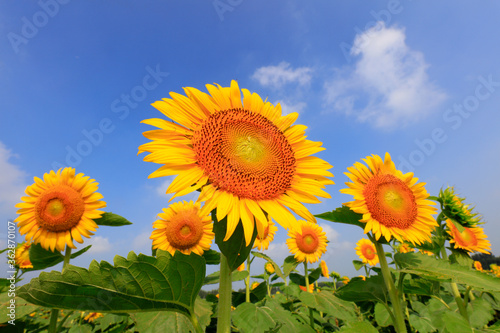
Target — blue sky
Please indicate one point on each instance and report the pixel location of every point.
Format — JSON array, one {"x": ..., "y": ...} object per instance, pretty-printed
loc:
[{"x": 419, "y": 80}]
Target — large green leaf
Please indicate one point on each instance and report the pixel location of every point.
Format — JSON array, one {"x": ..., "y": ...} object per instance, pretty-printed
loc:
[
  {"x": 442, "y": 270},
  {"x": 289, "y": 265},
  {"x": 138, "y": 283},
  {"x": 480, "y": 312},
  {"x": 327, "y": 303},
  {"x": 112, "y": 220},
  {"x": 422, "y": 319},
  {"x": 358, "y": 327},
  {"x": 382, "y": 315},
  {"x": 343, "y": 215},
  {"x": 19, "y": 307},
  {"x": 289, "y": 322},
  {"x": 373, "y": 289},
  {"x": 235, "y": 248},
  {"x": 252, "y": 319}
]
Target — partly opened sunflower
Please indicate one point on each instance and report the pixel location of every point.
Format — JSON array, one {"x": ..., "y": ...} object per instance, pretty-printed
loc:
[
  {"x": 470, "y": 239},
  {"x": 246, "y": 157},
  {"x": 393, "y": 204},
  {"x": 184, "y": 228},
  {"x": 366, "y": 252},
  {"x": 307, "y": 241},
  {"x": 262, "y": 243},
  {"x": 59, "y": 209},
  {"x": 324, "y": 269},
  {"x": 22, "y": 256}
]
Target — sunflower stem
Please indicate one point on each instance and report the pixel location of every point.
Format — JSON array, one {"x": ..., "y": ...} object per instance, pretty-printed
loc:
[
  {"x": 399, "y": 323},
  {"x": 247, "y": 282},
  {"x": 196, "y": 324},
  {"x": 67, "y": 257},
  {"x": 53, "y": 320},
  {"x": 311, "y": 317},
  {"x": 225, "y": 290}
]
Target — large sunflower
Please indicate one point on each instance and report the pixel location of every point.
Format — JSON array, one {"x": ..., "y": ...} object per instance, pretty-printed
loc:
[
  {"x": 366, "y": 252},
  {"x": 246, "y": 157},
  {"x": 59, "y": 209},
  {"x": 470, "y": 239},
  {"x": 307, "y": 241},
  {"x": 182, "y": 227},
  {"x": 393, "y": 204},
  {"x": 262, "y": 243}
]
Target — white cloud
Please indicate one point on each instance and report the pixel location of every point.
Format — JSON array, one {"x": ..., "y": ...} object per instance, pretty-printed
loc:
[
  {"x": 99, "y": 245},
  {"x": 388, "y": 86},
  {"x": 277, "y": 76},
  {"x": 142, "y": 243},
  {"x": 12, "y": 182}
]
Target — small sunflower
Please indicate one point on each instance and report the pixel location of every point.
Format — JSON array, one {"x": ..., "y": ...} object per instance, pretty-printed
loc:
[
  {"x": 184, "y": 228},
  {"x": 454, "y": 208},
  {"x": 470, "y": 239},
  {"x": 245, "y": 157},
  {"x": 311, "y": 288},
  {"x": 241, "y": 267},
  {"x": 59, "y": 209},
  {"x": 262, "y": 243},
  {"x": 393, "y": 204},
  {"x": 345, "y": 279},
  {"x": 324, "y": 269},
  {"x": 405, "y": 248},
  {"x": 269, "y": 268},
  {"x": 93, "y": 316},
  {"x": 254, "y": 285},
  {"x": 367, "y": 252},
  {"x": 23, "y": 255},
  {"x": 478, "y": 266},
  {"x": 307, "y": 241}
]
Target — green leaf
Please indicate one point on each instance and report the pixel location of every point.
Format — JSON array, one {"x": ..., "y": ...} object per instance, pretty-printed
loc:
[
  {"x": 358, "y": 264},
  {"x": 112, "y": 220},
  {"x": 480, "y": 312},
  {"x": 138, "y": 283},
  {"x": 442, "y": 270},
  {"x": 41, "y": 258},
  {"x": 456, "y": 323},
  {"x": 421, "y": 320},
  {"x": 373, "y": 289},
  {"x": 343, "y": 215},
  {"x": 169, "y": 321},
  {"x": 212, "y": 257},
  {"x": 20, "y": 306},
  {"x": 289, "y": 265},
  {"x": 252, "y": 319},
  {"x": 235, "y": 248},
  {"x": 288, "y": 321},
  {"x": 417, "y": 286},
  {"x": 235, "y": 276},
  {"x": 382, "y": 316},
  {"x": 328, "y": 303},
  {"x": 301, "y": 280},
  {"x": 358, "y": 327},
  {"x": 256, "y": 295},
  {"x": 461, "y": 258},
  {"x": 277, "y": 269}
]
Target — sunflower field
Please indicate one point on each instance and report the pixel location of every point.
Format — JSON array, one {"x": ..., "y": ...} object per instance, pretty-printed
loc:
[{"x": 254, "y": 169}]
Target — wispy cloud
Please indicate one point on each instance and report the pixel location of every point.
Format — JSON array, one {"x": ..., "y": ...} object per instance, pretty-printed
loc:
[
  {"x": 12, "y": 182},
  {"x": 388, "y": 85},
  {"x": 288, "y": 107},
  {"x": 99, "y": 245},
  {"x": 277, "y": 76}
]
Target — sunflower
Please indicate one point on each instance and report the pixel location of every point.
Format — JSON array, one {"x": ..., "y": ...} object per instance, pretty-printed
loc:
[
  {"x": 22, "y": 255},
  {"x": 269, "y": 268},
  {"x": 324, "y": 269},
  {"x": 366, "y": 252},
  {"x": 478, "y": 266},
  {"x": 405, "y": 248},
  {"x": 392, "y": 203},
  {"x": 93, "y": 316},
  {"x": 241, "y": 267},
  {"x": 470, "y": 239},
  {"x": 307, "y": 241},
  {"x": 311, "y": 288},
  {"x": 183, "y": 227},
  {"x": 59, "y": 209},
  {"x": 254, "y": 285},
  {"x": 454, "y": 208},
  {"x": 247, "y": 159},
  {"x": 262, "y": 243}
]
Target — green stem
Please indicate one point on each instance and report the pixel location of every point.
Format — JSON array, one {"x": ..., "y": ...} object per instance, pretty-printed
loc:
[
  {"x": 67, "y": 257},
  {"x": 247, "y": 282},
  {"x": 55, "y": 312},
  {"x": 196, "y": 324},
  {"x": 454, "y": 289},
  {"x": 399, "y": 323},
  {"x": 225, "y": 290},
  {"x": 311, "y": 317}
]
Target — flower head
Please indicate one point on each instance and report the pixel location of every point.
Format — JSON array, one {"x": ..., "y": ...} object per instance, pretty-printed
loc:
[
  {"x": 59, "y": 209},
  {"x": 93, "y": 316},
  {"x": 23, "y": 255},
  {"x": 345, "y": 279},
  {"x": 311, "y": 288},
  {"x": 262, "y": 243},
  {"x": 470, "y": 239},
  {"x": 366, "y": 252},
  {"x": 324, "y": 269},
  {"x": 454, "y": 208},
  {"x": 393, "y": 204},
  {"x": 254, "y": 285},
  {"x": 182, "y": 227},
  {"x": 405, "y": 248},
  {"x": 241, "y": 267},
  {"x": 247, "y": 159},
  {"x": 307, "y": 241},
  {"x": 269, "y": 268},
  {"x": 478, "y": 266}
]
